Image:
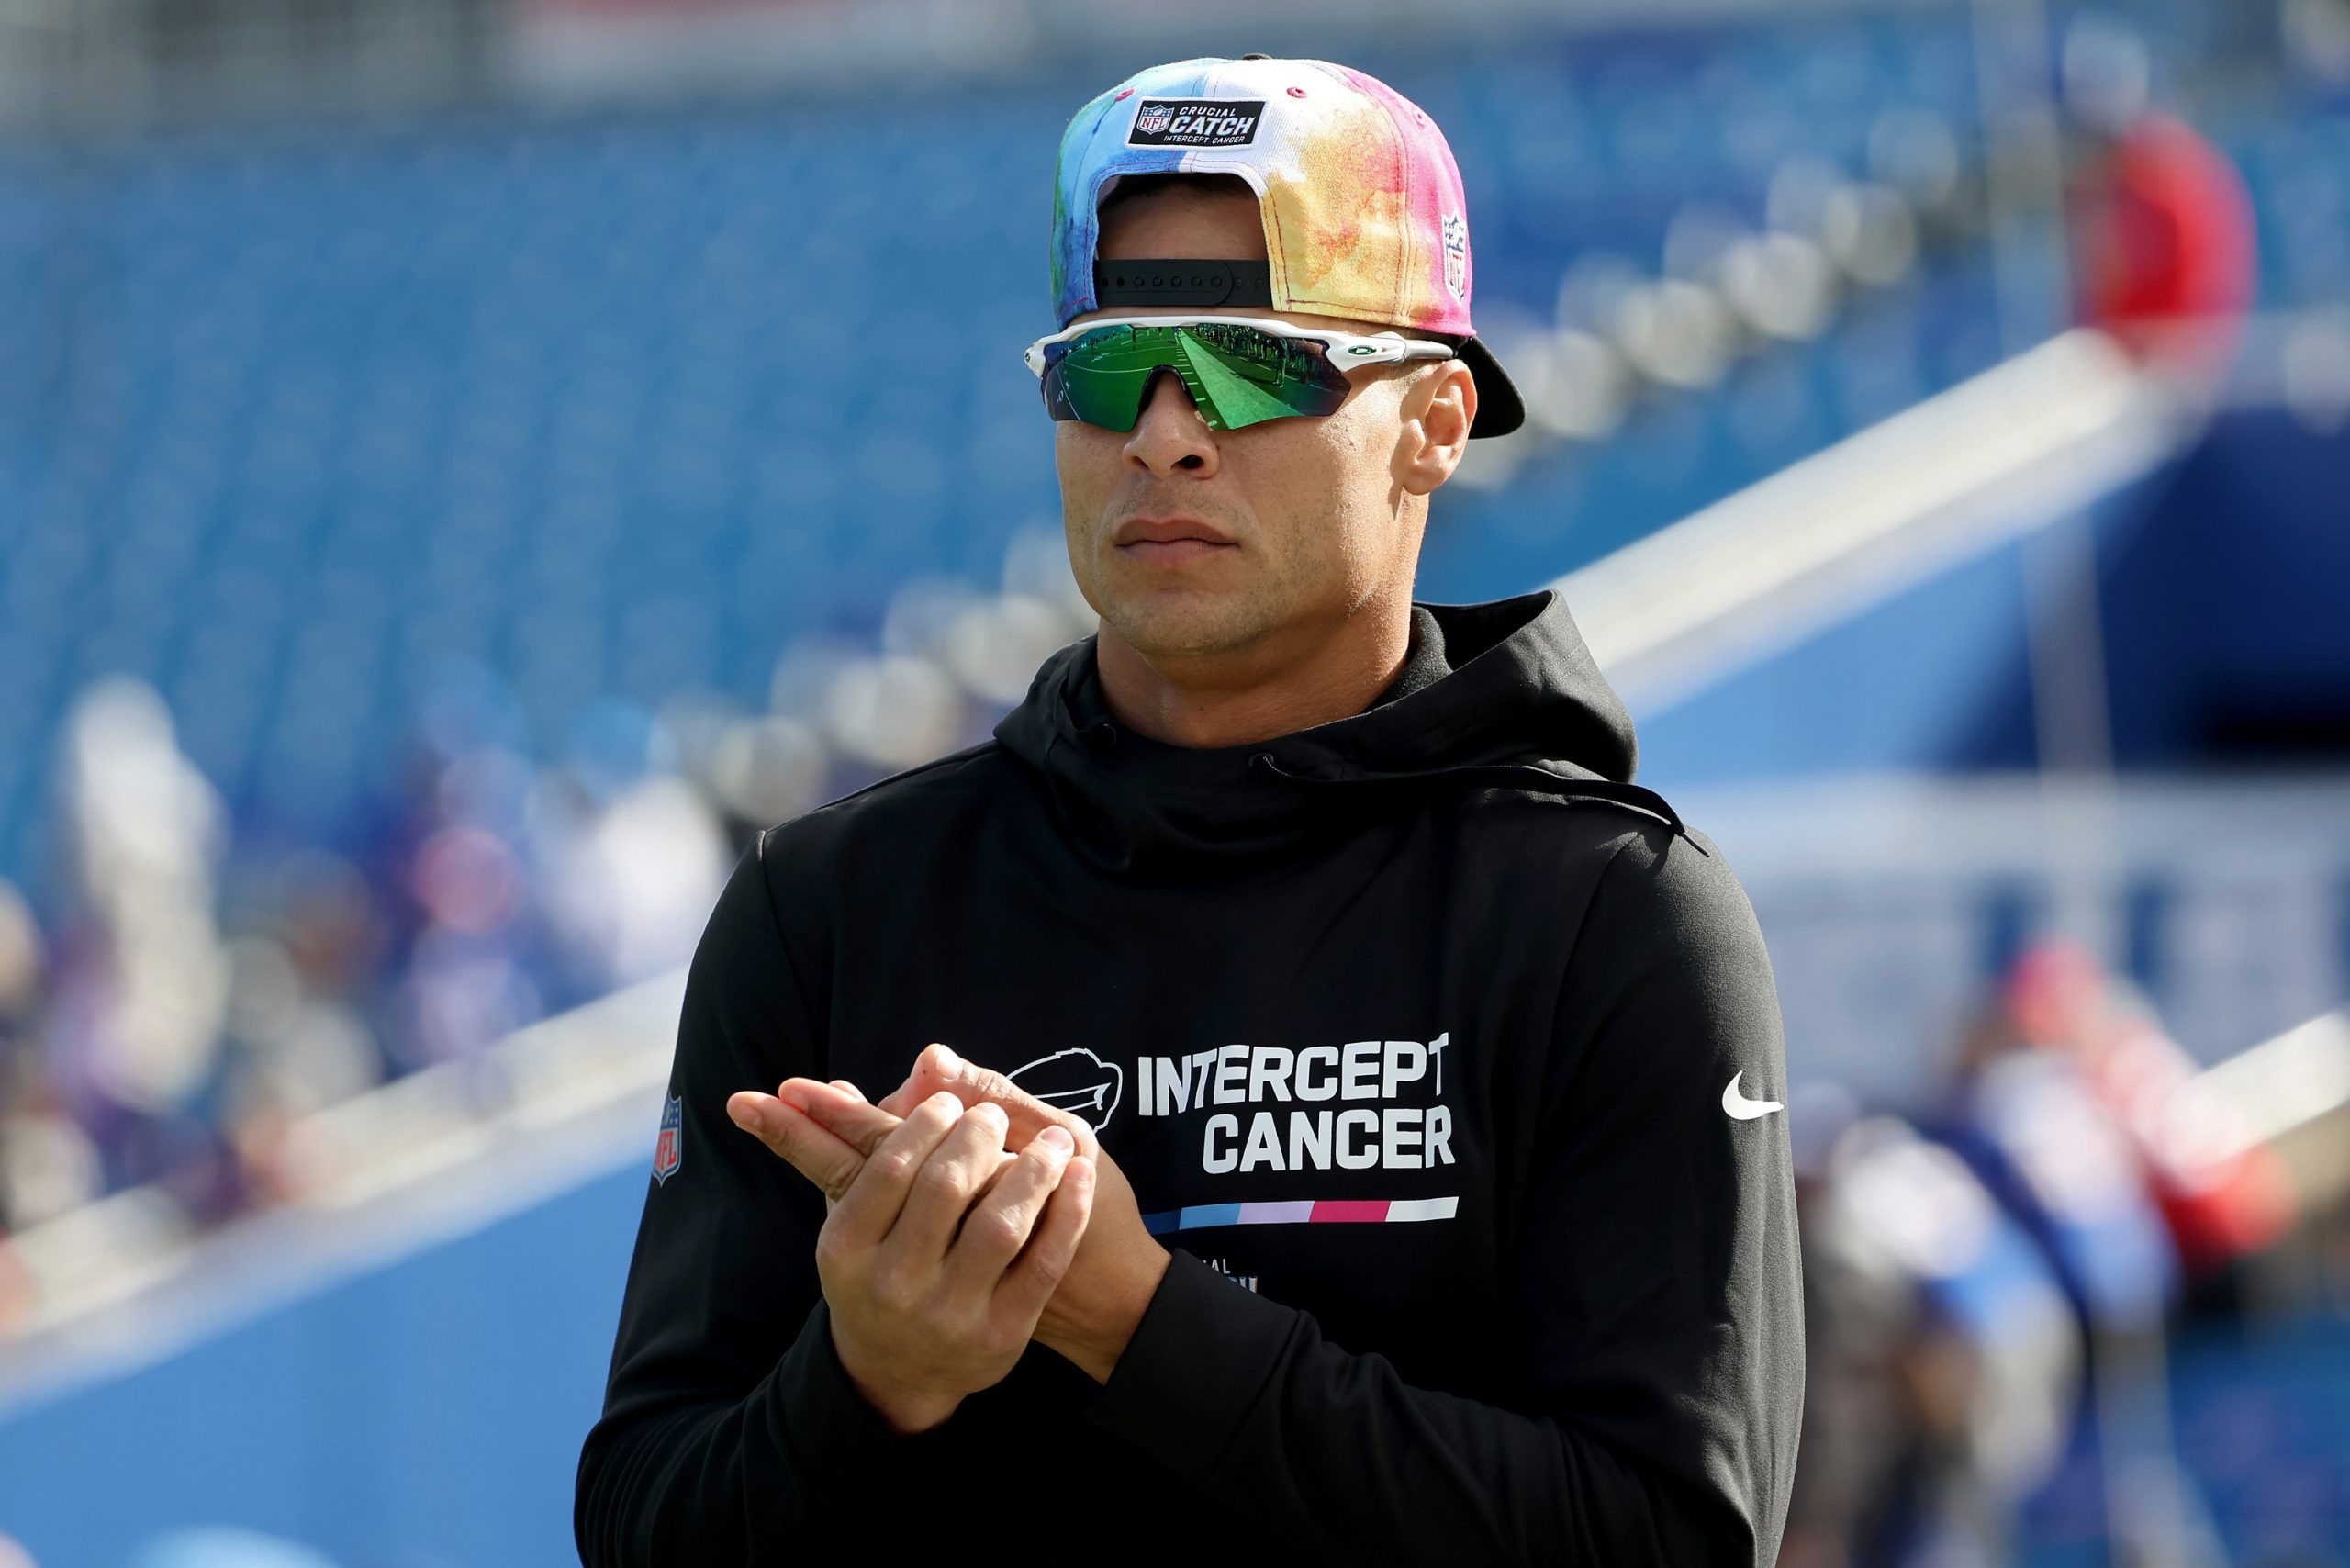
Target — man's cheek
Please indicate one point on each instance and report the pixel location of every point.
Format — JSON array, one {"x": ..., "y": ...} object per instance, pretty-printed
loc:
[{"x": 1082, "y": 455}]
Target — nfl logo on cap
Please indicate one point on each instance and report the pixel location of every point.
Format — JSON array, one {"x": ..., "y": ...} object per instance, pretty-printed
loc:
[{"x": 664, "y": 1147}]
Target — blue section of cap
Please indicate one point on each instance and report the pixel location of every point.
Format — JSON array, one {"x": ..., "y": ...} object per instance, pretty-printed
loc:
[{"x": 1093, "y": 149}]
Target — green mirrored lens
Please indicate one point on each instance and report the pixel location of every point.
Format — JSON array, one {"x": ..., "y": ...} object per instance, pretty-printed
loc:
[{"x": 1238, "y": 374}]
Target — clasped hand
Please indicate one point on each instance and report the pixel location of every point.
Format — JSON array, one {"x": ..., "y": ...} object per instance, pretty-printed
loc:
[{"x": 964, "y": 1217}]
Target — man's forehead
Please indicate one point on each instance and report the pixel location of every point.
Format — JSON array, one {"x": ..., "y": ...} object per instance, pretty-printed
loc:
[{"x": 1229, "y": 224}]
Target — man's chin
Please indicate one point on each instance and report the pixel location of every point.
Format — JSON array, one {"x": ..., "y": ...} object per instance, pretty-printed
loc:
[{"x": 1180, "y": 623}]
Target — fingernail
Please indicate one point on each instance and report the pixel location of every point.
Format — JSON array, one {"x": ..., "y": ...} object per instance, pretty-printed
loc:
[
  {"x": 740, "y": 1114},
  {"x": 948, "y": 1059},
  {"x": 944, "y": 1100},
  {"x": 1058, "y": 1137}
]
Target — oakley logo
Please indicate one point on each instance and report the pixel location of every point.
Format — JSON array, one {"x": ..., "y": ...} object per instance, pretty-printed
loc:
[
  {"x": 1740, "y": 1107},
  {"x": 1196, "y": 122}
]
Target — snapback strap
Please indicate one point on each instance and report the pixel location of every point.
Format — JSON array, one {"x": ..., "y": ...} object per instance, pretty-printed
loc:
[{"x": 1178, "y": 281}]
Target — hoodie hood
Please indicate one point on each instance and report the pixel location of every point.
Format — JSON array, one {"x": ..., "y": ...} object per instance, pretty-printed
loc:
[{"x": 1503, "y": 694}]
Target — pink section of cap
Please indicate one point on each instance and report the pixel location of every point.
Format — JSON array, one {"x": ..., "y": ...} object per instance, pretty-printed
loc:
[
  {"x": 1365, "y": 216},
  {"x": 1434, "y": 192}
]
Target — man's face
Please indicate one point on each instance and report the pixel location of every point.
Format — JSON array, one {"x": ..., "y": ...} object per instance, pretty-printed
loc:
[{"x": 1322, "y": 514}]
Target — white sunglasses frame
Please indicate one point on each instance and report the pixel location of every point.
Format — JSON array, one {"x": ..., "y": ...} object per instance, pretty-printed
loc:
[{"x": 1384, "y": 347}]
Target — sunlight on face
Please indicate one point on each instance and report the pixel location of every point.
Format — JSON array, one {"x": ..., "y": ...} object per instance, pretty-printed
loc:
[{"x": 1320, "y": 518}]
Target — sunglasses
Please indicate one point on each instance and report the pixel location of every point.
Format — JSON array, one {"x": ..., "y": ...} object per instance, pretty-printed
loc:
[{"x": 1240, "y": 370}]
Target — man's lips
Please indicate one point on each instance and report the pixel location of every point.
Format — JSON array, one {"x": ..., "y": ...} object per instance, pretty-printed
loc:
[
  {"x": 1173, "y": 550},
  {"x": 1169, "y": 539}
]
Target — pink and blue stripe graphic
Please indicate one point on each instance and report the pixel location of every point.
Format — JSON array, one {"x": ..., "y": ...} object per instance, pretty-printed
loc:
[{"x": 1304, "y": 1211}]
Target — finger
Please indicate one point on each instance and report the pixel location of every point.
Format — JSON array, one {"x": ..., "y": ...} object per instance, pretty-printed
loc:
[
  {"x": 921, "y": 1084},
  {"x": 1001, "y": 1220},
  {"x": 856, "y": 1124},
  {"x": 871, "y": 1207},
  {"x": 812, "y": 1149},
  {"x": 861, "y": 1126},
  {"x": 939, "y": 1068},
  {"x": 945, "y": 1184},
  {"x": 1030, "y": 1283},
  {"x": 935, "y": 1068},
  {"x": 1004, "y": 1163},
  {"x": 914, "y": 1089},
  {"x": 845, "y": 1087}
]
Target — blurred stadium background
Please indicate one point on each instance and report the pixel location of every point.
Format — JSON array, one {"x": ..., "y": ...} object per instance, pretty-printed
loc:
[{"x": 440, "y": 523}]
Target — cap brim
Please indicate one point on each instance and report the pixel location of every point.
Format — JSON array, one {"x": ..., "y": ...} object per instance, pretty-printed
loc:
[{"x": 1499, "y": 407}]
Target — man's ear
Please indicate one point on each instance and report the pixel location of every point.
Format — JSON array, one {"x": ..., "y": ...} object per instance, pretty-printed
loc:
[{"x": 1439, "y": 408}]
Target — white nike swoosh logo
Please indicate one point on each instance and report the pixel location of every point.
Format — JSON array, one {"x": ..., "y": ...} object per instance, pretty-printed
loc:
[{"x": 1740, "y": 1106}]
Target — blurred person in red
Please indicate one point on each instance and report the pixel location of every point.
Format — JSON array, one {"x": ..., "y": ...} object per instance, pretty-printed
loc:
[
  {"x": 2160, "y": 220},
  {"x": 2222, "y": 1197}
]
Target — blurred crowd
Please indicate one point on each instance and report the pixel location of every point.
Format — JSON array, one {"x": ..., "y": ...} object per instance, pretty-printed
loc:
[
  {"x": 192, "y": 995},
  {"x": 186, "y": 992},
  {"x": 1995, "y": 1276}
]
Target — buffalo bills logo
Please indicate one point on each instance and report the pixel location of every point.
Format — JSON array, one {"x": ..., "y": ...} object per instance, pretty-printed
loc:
[
  {"x": 664, "y": 1147},
  {"x": 1075, "y": 1081}
]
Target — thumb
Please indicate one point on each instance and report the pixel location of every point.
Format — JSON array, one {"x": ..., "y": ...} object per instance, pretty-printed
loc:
[
  {"x": 938, "y": 1067},
  {"x": 920, "y": 1085}
]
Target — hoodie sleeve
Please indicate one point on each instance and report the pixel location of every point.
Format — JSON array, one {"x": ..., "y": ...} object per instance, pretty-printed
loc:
[
  {"x": 1660, "y": 1302},
  {"x": 730, "y": 1431}
]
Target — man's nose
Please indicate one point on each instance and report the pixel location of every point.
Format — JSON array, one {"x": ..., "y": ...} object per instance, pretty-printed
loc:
[{"x": 1169, "y": 432}]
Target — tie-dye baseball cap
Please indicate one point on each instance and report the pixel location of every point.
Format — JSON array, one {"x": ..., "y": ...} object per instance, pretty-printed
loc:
[{"x": 1364, "y": 212}]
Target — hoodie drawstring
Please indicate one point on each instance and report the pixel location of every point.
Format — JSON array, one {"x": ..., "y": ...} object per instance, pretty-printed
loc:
[{"x": 1519, "y": 774}]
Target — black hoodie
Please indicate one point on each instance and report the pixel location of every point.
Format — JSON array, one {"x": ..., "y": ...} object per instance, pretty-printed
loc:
[{"x": 1418, "y": 1035}]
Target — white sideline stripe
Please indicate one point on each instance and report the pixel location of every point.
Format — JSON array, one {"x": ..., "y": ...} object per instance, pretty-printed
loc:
[{"x": 2019, "y": 446}]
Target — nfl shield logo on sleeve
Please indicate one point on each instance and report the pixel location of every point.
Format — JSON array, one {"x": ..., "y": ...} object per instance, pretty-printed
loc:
[{"x": 664, "y": 1147}]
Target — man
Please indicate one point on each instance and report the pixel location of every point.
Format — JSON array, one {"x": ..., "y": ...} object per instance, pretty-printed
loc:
[{"x": 1425, "y": 1196}]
